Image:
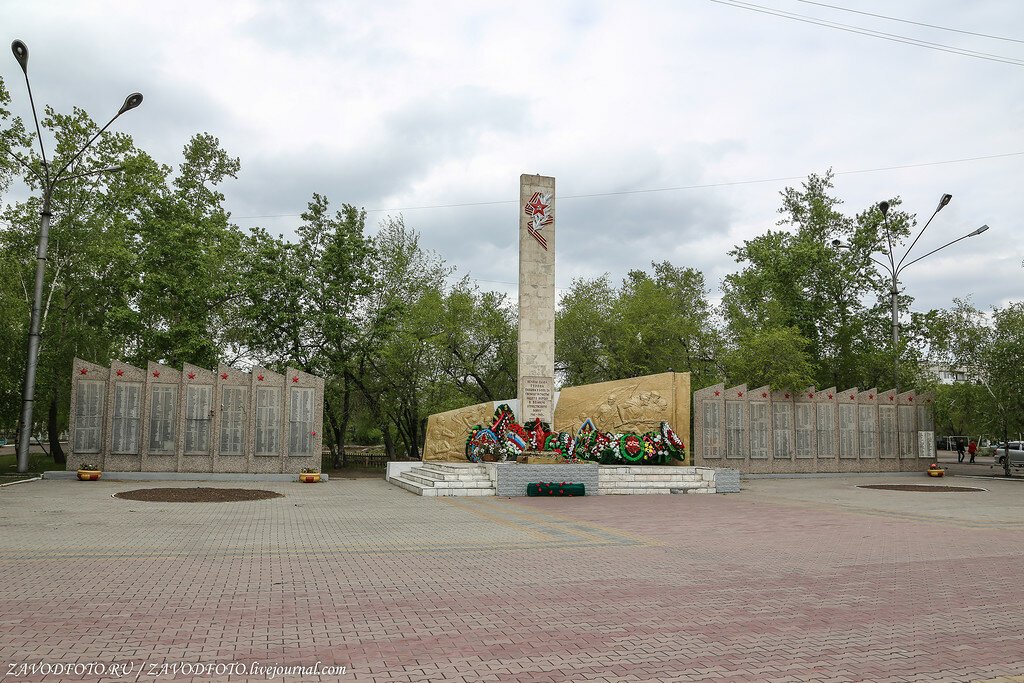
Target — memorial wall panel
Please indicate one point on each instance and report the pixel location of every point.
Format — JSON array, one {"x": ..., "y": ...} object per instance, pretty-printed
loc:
[
  {"x": 805, "y": 430},
  {"x": 812, "y": 431},
  {"x": 760, "y": 412},
  {"x": 713, "y": 429},
  {"x": 736, "y": 442},
  {"x": 782, "y": 430},
  {"x": 124, "y": 419}
]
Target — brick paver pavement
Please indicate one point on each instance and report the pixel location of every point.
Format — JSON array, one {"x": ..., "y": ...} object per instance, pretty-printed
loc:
[{"x": 790, "y": 580}]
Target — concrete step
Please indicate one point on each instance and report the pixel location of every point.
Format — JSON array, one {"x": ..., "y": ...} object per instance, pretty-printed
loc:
[
  {"x": 422, "y": 489},
  {"x": 455, "y": 468},
  {"x": 649, "y": 477},
  {"x": 621, "y": 491},
  {"x": 648, "y": 469},
  {"x": 429, "y": 475},
  {"x": 467, "y": 483},
  {"x": 665, "y": 483}
]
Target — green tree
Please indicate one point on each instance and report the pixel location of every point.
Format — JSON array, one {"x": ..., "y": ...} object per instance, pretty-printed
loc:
[
  {"x": 477, "y": 343},
  {"x": 300, "y": 304},
  {"x": 655, "y": 322},
  {"x": 395, "y": 367},
  {"x": 189, "y": 260},
  {"x": 89, "y": 284},
  {"x": 796, "y": 278},
  {"x": 990, "y": 347}
]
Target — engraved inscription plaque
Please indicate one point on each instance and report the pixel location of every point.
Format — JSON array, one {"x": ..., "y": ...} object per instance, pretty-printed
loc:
[
  {"x": 268, "y": 420},
  {"x": 198, "y": 417},
  {"x": 759, "y": 429},
  {"x": 300, "y": 434},
  {"x": 826, "y": 430},
  {"x": 868, "y": 431},
  {"x": 163, "y": 413},
  {"x": 782, "y": 417},
  {"x": 908, "y": 431},
  {"x": 847, "y": 430},
  {"x": 736, "y": 443},
  {"x": 804, "y": 430},
  {"x": 712, "y": 433},
  {"x": 232, "y": 421},
  {"x": 89, "y": 417},
  {"x": 127, "y": 412},
  {"x": 887, "y": 431},
  {"x": 538, "y": 399}
]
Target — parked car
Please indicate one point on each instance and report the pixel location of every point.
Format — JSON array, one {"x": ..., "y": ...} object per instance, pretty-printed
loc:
[{"x": 1016, "y": 451}]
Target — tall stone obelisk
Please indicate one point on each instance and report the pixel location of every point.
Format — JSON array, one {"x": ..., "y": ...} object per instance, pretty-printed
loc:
[{"x": 536, "y": 298}]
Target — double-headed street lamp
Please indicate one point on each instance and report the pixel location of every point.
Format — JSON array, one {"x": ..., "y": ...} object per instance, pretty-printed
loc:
[
  {"x": 893, "y": 268},
  {"x": 49, "y": 182}
]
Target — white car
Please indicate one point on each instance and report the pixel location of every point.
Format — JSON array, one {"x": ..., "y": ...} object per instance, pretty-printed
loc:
[{"x": 1016, "y": 451}]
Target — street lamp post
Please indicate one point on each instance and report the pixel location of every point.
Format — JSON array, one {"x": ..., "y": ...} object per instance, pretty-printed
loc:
[
  {"x": 49, "y": 182},
  {"x": 893, "y": 268}
]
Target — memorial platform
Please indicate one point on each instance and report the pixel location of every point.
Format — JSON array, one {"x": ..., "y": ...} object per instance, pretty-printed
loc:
[{"x": 509, "y": 479}]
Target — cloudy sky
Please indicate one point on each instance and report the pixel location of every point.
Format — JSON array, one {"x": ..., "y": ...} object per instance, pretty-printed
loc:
[{"x": 671, "y": 127}]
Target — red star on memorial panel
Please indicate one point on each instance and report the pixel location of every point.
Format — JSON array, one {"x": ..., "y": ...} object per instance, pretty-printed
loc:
[
  {"x": 223, "y": 375},
  {"x": 83, "y": 371},
  {"x": 120, "y": 372},
  {"x": 764, "y": 394},
  {"x": 830, "y": 397},
  {"x": 740, "y": 394},
  {"x": 295, "y": 379},
  {"x": 810, "y": 395},
  {"x": 259, "y": 377},
  {"x": 191, "y": 375},
  {"x": 718, "y": 393},
  {"x": 156, "y": 373},
  {"x": 910, "y": 399},
  {"x": 852, "y": 397},
  {"x": 538, "y": 207},
  {"x": 871, "y": 397}
]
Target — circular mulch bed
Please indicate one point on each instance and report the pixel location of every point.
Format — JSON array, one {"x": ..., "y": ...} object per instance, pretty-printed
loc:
[
  {"x": 923, "y": 488},
  {"x": 198, "y": 494}
]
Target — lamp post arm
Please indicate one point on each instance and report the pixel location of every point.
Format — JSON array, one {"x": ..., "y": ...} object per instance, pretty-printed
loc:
[
  {"x": 911, "y": 247},
  {"x": 907, "y": 265},
  {"x": 39, "y": 133},
  {"x": 884, "y": 266},
  {"x": 85, "y": 174},
  {"x": 25, "y": 165},
  {"x": 58, "y": 176}
]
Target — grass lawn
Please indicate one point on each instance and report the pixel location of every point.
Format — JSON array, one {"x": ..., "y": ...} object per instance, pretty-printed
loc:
[{"x": 38, "y": 462}]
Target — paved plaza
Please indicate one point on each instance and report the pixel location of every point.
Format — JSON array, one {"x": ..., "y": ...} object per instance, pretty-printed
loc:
[{"x": 789, "y": 580}]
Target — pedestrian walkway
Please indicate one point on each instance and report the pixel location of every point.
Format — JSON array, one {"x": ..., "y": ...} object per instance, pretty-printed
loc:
[{"x": 788, "y": 580}]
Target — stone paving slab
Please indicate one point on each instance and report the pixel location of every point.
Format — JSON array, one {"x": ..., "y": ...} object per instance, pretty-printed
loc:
[{"x": 789, "y": 580}]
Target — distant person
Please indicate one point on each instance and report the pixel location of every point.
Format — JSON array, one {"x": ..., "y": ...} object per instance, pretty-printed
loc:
[
  {"x": 972, "y": 449},
  {"x": 960, "y": 450}
]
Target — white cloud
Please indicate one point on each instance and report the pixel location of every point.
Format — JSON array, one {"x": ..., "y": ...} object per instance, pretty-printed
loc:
[{"x": 390, "y": 105}]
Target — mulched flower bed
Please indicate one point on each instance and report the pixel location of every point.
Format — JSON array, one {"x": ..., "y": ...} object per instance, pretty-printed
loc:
[
  {"x": 198, "y": 494},
  {"x": 921, "y": 487}
]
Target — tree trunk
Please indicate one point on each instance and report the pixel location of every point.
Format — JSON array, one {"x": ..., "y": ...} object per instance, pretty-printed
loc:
[
  {"x": 338, "y": 439},
  {"x": 51, "y": 426},
  {"x": 389, "y": 442},
  {"x": 1006, "y": 448},
  {"x": 346, "y": 403}
]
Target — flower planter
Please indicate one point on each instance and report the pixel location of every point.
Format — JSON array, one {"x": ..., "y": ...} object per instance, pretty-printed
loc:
[
  {"x": 89, "y": 475},
  {"x": 309, "y": 477}
]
